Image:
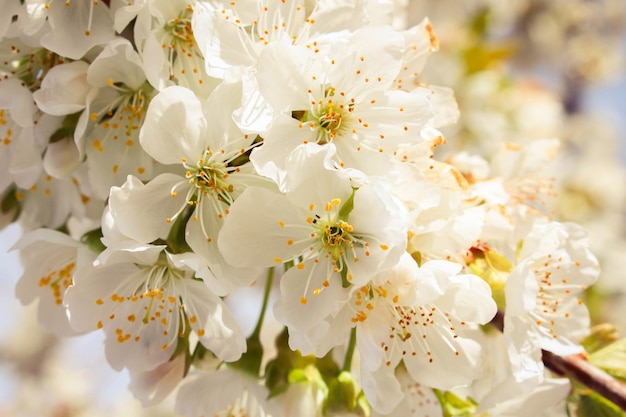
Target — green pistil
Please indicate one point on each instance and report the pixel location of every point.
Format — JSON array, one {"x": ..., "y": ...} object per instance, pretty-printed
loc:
[
  {"x": 180, "y": 27},
  {"x": 329, "y": 115},
  {"x": 210, "y": 178}
]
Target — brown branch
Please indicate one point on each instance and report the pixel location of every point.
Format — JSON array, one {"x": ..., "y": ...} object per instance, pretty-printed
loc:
[{"x": 577, "y": 368}]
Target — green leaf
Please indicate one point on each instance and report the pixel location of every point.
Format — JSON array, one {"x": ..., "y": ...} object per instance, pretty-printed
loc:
[
  {"x": 454, "y": 406},
  {"x": 278, "y": 369},
  {"x": 594, "y": 405},
  {"x": 601, "y": 335},
  {"x": 611, "y": 359},
  {"x": 484, "y": 57},
  {"x": 93, "y": 240},
  {"x": 343, "y": 393},
  {"x": 250, "y": 361}
]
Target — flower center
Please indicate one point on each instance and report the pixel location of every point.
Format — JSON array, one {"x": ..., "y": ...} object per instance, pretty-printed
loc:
[
  {"x": 329, "y": 116},
  {"x": 186, "y": 62},
  {"x": 209, "y": 176},
  {"x": 180, "y": 30},
  {"x": 336, "y": 238}
]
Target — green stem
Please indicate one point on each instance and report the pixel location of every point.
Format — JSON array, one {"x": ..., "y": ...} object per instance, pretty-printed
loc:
[
  {"x": 266, "y": 296},
  {"x": 347, "y": 362}
]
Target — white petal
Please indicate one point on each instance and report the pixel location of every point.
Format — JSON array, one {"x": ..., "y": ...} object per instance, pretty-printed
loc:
[
  {"x": 252, "y": 235},
  {"x": 151, "y": 387},
  {"x": 61, "y": 158},
  {"x": 293, "y": 311},
  {"x": 280, "y": 141},
  {"x": 284, "y": 75},
  {"x": 228, "y": 390},
  {"x": 382, "y": 389},
  {"x": 175, "y": 127},
  {"x": 313, "y": 180},
  {"x": 50, "y": 260},
  {"x": 118, "y": 62},
  {"x": 469, "y": 297},
  {"x": 224, "y": 44},
  {"x": 216, "y": 327},
  {"x": 141, "y": 211},
  {"x": 202, "y": 237},
  {"x": 91, "y": 284},
  {"x": 64, "y": 89},
  {"x": 370, "y": 53},
  {"x": 524, "y": 348},
  {"x": 77, "y": 27}
]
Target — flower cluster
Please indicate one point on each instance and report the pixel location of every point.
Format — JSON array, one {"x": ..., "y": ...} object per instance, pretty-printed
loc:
[{"x": 165, "y": 155}]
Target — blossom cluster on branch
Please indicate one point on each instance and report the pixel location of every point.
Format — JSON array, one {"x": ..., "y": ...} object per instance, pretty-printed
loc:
[{"x": 163, "y": 155}]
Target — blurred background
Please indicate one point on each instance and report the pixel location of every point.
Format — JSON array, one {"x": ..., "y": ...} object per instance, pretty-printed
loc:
[{"x": 522, "y": 70}]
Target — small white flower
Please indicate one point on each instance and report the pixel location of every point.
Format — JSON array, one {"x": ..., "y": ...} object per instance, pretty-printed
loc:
[
  {"x": 543, "y": 308},
  {"x": 418, "y": 400},
  {"x": 335, "y": 235},
  {"x": 423, "y": 317},
  {"x": 20, "y": 162},
  {"x": 167, "y": 44},
  {"x": 145, "y": 299},
  {"x": 49, "y": 202},
  {"x": 240, "y": 30},
  {"x": 224, "y": 393},
  {"x": 50, "y": 261},
  {"x": 203, "y": 145},
  {"x": 108, "y": 129},
  {"x": 343, "y": 96}
]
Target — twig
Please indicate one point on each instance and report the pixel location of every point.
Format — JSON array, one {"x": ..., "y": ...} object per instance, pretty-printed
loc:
[{"x": 578, "y": 369}]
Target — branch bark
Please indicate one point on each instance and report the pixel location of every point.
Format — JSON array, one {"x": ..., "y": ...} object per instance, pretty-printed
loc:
[{"x": 577, "y": 368}]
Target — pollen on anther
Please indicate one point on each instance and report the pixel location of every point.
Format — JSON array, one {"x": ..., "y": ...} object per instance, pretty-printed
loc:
[
  {"x": 303, "y": 300},
  {"x": 278, "y": 260}
]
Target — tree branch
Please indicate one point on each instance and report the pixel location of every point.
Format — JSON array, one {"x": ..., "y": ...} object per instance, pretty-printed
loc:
[{"x": 578, "y": 369}]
